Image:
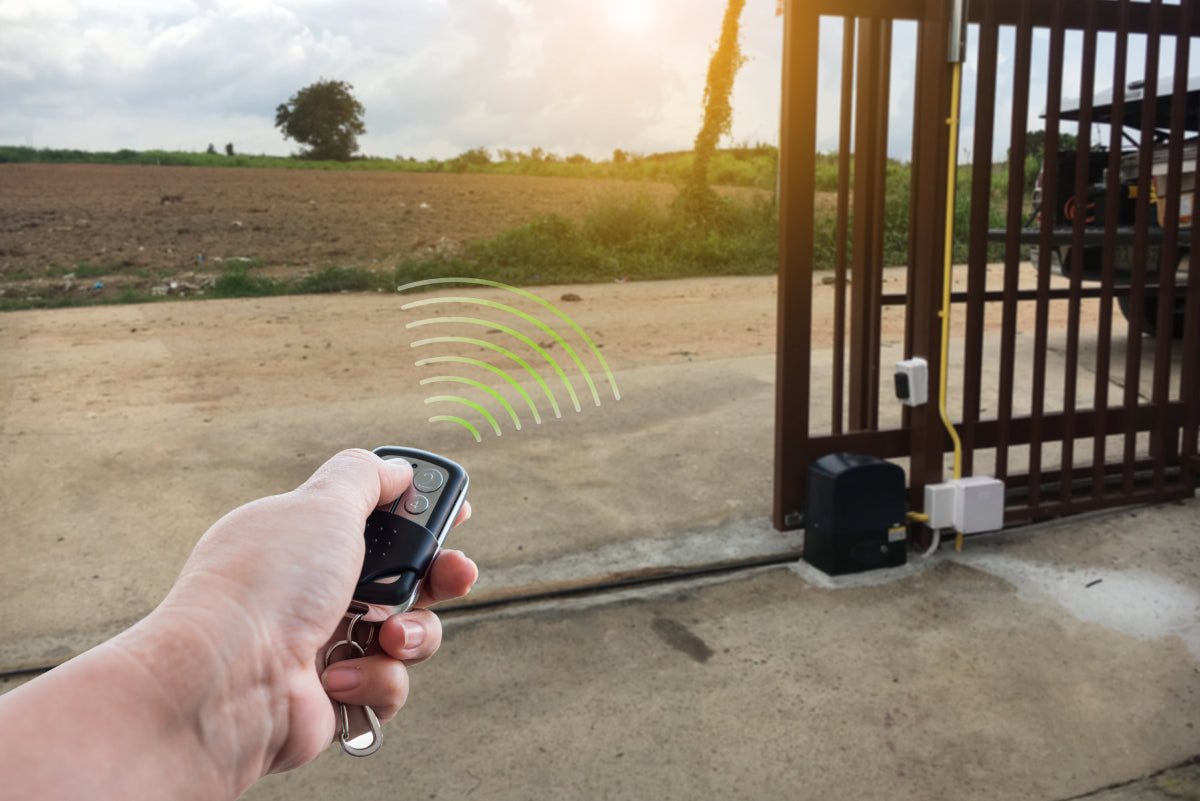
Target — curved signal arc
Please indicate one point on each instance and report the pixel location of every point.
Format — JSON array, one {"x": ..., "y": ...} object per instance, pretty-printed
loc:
[
  {"x": 478, "y": 385},
  {"x": 449, "y": 418},
  {"x": 491, "y": 304},
  {"x": 523, "y": 293},
  {"x": 485, "y": 344},
  {"x": 467, "y": 402},
  {"x": 511, "y": 332},
  {"x": 537, "y": 418}
]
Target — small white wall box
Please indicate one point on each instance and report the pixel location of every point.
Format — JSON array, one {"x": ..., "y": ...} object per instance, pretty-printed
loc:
[
  {"x": 978, "y": 504},
  {"x": 939, "y": 504},
  {"x": 912, "y": 381}
]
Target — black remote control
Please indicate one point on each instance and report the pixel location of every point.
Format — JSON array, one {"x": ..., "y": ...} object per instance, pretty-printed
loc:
[{"x": 403, "y": 540}]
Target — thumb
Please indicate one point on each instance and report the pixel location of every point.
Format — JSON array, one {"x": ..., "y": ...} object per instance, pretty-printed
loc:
[{"x": 359, "y": 478}]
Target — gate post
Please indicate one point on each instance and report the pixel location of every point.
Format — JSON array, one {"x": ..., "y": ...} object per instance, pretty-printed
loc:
[{"x": 797, "y": 175}]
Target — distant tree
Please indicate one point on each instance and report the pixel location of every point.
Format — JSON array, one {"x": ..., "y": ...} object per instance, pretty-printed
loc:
[
  {"x": 212, "y": 150},
  {"x": 229, "y": 149},
  {"x": 326, "y": 117},
  {"x": 619, "y": 156}
]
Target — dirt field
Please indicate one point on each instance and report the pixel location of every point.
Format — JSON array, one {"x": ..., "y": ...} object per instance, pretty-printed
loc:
[{"x": 132, "y": 225}]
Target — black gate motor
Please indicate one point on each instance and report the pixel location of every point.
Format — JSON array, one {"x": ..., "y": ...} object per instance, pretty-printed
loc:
[{"x": 855, "y": 514}]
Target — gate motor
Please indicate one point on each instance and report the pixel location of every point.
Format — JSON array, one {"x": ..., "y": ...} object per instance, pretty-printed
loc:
[{"x": 855, "y": 514}]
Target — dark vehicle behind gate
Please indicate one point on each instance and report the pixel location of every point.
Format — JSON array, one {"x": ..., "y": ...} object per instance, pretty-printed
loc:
[{"x": 1096, "y": 206}]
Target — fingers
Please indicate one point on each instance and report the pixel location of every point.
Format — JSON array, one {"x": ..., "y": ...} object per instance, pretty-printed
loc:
[
  {"x": 450, "y": 576},
  {"x": 379, "y": 682},
  {"x": 359, "y": 477}
]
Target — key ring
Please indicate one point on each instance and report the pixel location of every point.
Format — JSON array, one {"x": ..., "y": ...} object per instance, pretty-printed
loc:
[{"x": 358, "y": 610}]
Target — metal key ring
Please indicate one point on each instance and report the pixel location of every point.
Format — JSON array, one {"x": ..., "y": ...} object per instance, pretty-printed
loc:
[{"x": 349, "y": 644}]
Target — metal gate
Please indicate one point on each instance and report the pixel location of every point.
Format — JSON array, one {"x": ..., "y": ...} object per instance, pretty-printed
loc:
[{"x": 1049, "y": 388}]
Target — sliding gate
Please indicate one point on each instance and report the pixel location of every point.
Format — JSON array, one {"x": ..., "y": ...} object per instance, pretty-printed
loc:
[{"x": 1049, "y": 387}]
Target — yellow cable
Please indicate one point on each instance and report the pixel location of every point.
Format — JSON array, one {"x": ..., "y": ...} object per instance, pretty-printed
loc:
[{"x": 951, "y": 178}]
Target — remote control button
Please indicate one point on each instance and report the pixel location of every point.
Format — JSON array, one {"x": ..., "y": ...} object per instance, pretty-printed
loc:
[
  {"x": 416, "y": 504},
  {"x": 428, "y": 479}
]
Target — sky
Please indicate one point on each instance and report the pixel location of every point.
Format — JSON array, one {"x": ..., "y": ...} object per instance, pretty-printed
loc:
[{"x": 436, "y": 77}]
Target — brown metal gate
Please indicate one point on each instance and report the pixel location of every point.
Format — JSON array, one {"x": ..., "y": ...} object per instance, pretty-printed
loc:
[{"x": 1051, "y": 389}]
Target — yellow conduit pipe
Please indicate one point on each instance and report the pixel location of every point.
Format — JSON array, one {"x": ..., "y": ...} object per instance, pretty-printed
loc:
[{"x": 951, "y": 177}]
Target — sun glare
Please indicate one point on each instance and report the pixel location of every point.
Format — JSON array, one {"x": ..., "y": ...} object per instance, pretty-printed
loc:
[{"x": 631, "y": 16}]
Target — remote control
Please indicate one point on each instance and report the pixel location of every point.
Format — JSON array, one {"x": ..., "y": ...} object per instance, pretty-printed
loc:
[{"x": 403, "y": 540}]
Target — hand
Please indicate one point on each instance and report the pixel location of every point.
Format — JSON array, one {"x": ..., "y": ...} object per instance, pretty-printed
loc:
[
  {"x": 379, "y": 678},
  {"x": 271, "y": 582}
]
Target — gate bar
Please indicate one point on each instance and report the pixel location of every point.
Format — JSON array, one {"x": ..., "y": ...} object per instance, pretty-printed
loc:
[{"x": 1083, "y": 156}]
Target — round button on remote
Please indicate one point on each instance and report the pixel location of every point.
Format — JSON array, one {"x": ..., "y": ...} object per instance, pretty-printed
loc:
[
  {"x": 416, "y": 504},
  {"x": 428, "y": 479}
]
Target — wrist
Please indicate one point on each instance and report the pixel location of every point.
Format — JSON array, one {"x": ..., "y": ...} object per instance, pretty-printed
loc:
[{"x": 209, "y": 693}]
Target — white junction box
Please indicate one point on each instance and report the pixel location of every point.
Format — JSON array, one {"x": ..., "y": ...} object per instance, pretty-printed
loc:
[
  {"x": 968, "y": 505},
  {"x": 912, "y": 381},
  {"x": 978, "y": 504},
  {"x": 939, "y": 504}
]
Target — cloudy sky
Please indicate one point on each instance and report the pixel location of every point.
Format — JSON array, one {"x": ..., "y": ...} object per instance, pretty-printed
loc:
[{"x": 436, "y": 77}]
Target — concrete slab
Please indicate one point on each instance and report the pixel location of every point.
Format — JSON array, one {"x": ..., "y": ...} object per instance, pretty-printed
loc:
[{"x": 1004, "y": 672}]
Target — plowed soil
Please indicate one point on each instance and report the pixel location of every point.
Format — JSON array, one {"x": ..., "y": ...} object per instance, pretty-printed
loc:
[{"x": 123, "y": 225}]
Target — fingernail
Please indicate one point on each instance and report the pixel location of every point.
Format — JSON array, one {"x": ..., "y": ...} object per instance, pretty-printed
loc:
[
  {"x": 338, "y": 680},
  {"x": 414, "y": 633}
]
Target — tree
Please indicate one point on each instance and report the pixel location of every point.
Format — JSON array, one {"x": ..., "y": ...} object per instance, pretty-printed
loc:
[
  {"x": 326, "y": 117},
  {"x": 718, "y": 112}
]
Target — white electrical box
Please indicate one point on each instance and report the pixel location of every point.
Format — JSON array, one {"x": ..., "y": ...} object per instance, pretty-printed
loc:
[
  {"x": 939, "y": 504},
  {"x": 978, "y": 504},
  {"x": 912, "y": 381}
]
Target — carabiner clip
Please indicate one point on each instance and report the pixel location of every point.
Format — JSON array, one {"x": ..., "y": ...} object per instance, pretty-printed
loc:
[{"x": 376, "y": 734}]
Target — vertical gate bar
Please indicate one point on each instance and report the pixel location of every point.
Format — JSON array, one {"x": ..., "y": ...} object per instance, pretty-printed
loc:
[
  {"x": 862, "y": 387},
  {"x": 927, "y": 438},
  {"x": 1081, "y": 190},
  {"x": 882, "y": 96},
  {"x": 977, "y": 254},
  {"x": 1189, "y": 380},
  {"x": 1163, "y": 446},
  {"x": 1112, "y": 210},
  {"x": 843, "y": 221},
  {"x": 1050, "y": 203},
  {"x": 1133, "y": 351},
  {"x": 916, "y": 488},
  {"x": 1012, "y": 245},
  {"x": 797, "y": 166}
]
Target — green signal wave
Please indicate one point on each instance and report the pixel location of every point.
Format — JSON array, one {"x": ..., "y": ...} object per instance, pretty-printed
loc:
[
  {"x": 612, "y": 382},
  {"x": 467, "y": 402},
  {"x": 449, "y": 418},
  {"x": 481, "y": 386},
  {"x": 478, "y": 363},
  {"x": 511, "y": 332},
  {"x": 523, "y": 315}
]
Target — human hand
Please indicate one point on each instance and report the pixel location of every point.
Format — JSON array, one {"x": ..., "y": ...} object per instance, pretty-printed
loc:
[{"x": 269, "y": 585}]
